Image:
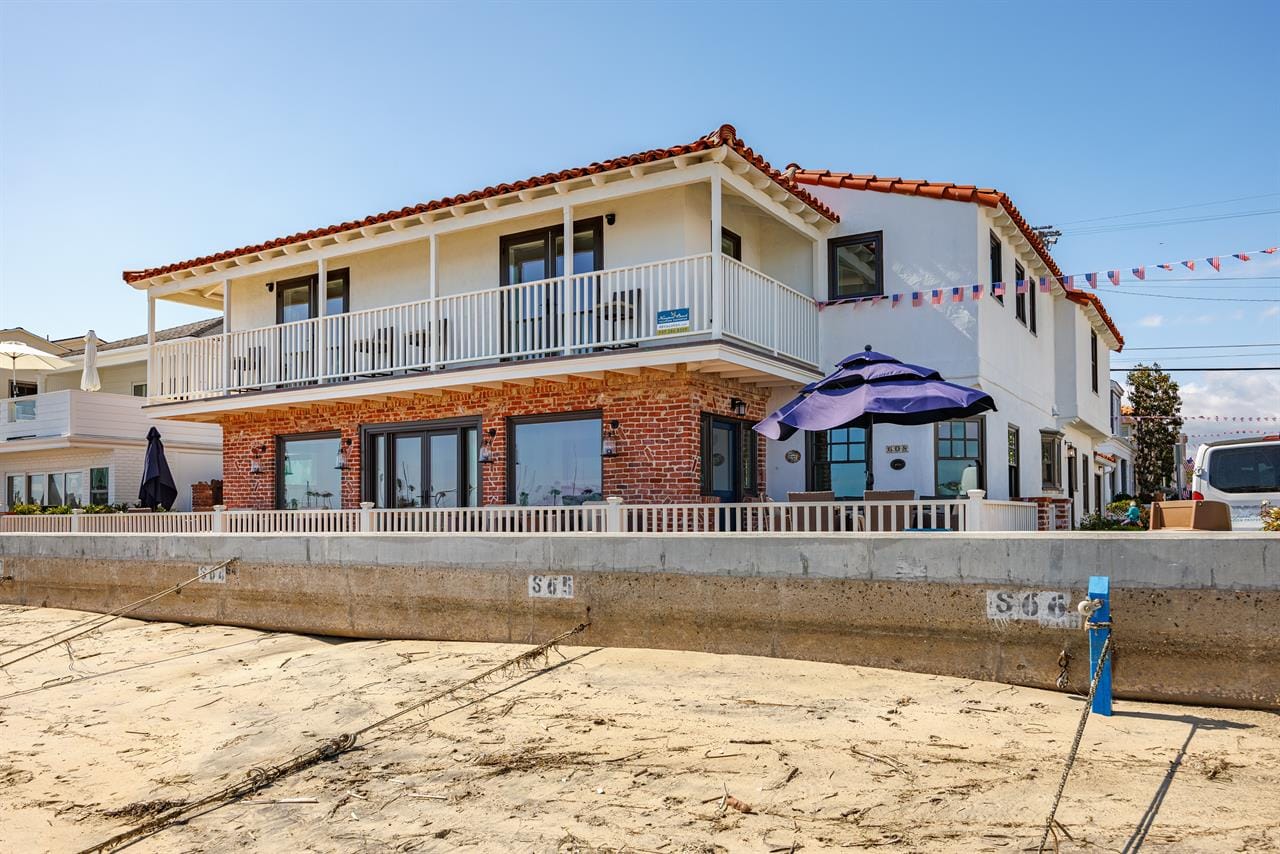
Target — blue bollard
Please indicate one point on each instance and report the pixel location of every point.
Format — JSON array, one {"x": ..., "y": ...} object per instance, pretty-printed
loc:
[{"x": 1100, "y": 591}]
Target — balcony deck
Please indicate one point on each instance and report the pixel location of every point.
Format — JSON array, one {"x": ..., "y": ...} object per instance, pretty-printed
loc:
[{"x": 585, "y": 314}]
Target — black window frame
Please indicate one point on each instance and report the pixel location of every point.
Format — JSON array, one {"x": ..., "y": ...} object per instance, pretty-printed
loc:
[
  {"x": 981, "y": 421},
  {"x": 549, "y": 233},
  {"x": 813, "y": 483},
  {"x": 284, "y": 438},
  {"x": 1015, "y": 461},
  {"x": 514, "y": 421},
  {"x": 1093, "y": 357},
  {"x": 369, "y": 434},
  {"x": 312, "y": 283},
  {"x": 1051, "y": 454},
  {"x": 735, "y": 244},
  {"x": 997, "y": 267},
  {"x": 1032, "y": 304},
  {"x": 835, "y": 244},
  {"x": 1020, "y": 299}
]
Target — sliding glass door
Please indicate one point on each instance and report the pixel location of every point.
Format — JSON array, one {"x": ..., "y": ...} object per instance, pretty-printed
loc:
[
  {"x": 432, "y": 464},
  {"x": 532, "y": 317}
]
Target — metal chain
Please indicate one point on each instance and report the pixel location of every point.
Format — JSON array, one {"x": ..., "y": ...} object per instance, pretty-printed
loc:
[
  {"x": 1064, "y": 661},
  {"x": 1075, "y": 744}
]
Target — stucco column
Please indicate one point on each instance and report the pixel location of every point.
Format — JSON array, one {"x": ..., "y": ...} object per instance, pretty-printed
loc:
[
  {"x": 322, "y": 303},
  {"x": 225, "y": 349},
  {"x": 151, "y": 345},
  {"x": 434, "y": 338},
  {"x": 717, "y": 261},
  {"x": 566, "y": 290}
]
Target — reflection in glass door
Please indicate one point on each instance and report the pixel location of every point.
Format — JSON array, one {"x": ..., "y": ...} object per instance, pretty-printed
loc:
[
  {"x": 838, "y": 460},
  {"x": 443, "y": 469},
  {"x": 407, "y": 467}
]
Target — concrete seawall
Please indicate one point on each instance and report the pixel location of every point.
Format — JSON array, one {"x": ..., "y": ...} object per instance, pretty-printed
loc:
[{"x": 1197, "y": 616}]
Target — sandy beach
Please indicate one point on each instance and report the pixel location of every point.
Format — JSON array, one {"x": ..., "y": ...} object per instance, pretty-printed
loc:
[{"x": 604, "y": 750}]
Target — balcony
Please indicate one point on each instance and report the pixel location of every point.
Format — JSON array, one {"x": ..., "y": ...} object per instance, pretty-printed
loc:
[
  {"x": 588, "y": 313},
  {"x": 59, "y": 419}
]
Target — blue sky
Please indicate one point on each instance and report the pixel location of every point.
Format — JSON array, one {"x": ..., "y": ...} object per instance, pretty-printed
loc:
[{"x": 133, "y": 135}]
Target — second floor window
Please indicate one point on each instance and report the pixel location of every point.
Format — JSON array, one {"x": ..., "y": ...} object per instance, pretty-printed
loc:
[
  {"x": 730, "y": 244},
  {"x": 299, "y": 299},
  {"x": 997, "y": 267},
  {"x": 1093, "y": 358},
  {"x": 1020, "y": 298},
  {"x": 855, "y": 266}
]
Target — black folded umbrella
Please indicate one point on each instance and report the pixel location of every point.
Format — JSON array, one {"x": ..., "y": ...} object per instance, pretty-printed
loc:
[{"x": 158, "y": 487}]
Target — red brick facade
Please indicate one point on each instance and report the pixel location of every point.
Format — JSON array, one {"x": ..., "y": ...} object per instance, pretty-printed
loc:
[
  {"x": 1052, "y": 514},
  {"x": 658, "y": 456}
]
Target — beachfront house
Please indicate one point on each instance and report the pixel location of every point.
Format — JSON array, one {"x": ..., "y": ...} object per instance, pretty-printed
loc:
[
  {"x": 61, "y": 446},
  {"x": 455, "y": 354}
]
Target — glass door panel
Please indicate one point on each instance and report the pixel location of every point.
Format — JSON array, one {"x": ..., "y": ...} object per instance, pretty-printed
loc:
[
  {"x": 443, "y": 469},
  {"x": 407, "y": 462}
]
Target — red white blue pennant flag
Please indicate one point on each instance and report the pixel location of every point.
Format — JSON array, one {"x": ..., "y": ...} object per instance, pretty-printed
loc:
[
  {"x": 1243, "y": 256},
  {"x": 1215, "y": 262},
  {"x": 1140, "y": 273},
  {"x": 976, "y": 292},
  {"x": 1114, "y": 276},
  {"x": 1190, "y": 265},
  {"x": 1092, "y": 279},
  {"x": 957, "y": 294},
  {"x": 895, "y": 300}
]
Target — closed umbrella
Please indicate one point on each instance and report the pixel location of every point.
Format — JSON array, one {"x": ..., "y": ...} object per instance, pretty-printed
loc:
[
  {"x": 17, "y": 356},
  {"x": 158, "y": 487},
  {"x": 89, "y": 379}
]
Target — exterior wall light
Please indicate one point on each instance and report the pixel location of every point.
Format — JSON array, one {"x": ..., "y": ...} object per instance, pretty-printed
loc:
[
  {"x": 486, "y": 445},
  {"x": 340, "y": 460},
  {"x": 609, "y": 442},
  {"x": 739, "y": 407},
  {"x": 255, "y": 464},
  {"x": 610, "y": 218}
]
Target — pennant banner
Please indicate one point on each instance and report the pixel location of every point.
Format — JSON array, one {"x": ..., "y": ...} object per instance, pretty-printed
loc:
[{"x": 937, "y": 296}]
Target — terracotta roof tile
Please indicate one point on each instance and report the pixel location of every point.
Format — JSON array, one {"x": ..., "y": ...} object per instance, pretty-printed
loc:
[
  {"x": 725, "y": 135},
  {"x": 986, "y": 196}
]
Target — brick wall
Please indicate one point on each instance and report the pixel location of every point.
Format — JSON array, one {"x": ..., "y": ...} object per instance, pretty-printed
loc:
[
  {"x": 1052, "y": 514},
  {"x": 659, "y": 414}
]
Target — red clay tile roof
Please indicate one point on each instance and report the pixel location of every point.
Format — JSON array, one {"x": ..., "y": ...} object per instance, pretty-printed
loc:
[
  {"x": 725, "y": 135},
  {"x": 985, "y": 196}
]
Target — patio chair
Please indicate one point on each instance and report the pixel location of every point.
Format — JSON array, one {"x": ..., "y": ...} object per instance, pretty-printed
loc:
[
  {"x": 815, "y": 518},
  {"x": 898, "y": 517}
]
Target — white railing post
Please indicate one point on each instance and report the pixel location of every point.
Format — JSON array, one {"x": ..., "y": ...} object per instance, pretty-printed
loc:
[
  {"x": 614, "y": 516},
  {"x": 717, "y": 261},
  {"x": 366, "y": 516},
  {"x": 321, "y": 342},
  {"x": 151, "y": 346},
  {"x": 973, "y": 520},
  {"x": 218, "y": 524},
  {"x": 224, "y": 337},
  {"x": 75, "y": 520}
]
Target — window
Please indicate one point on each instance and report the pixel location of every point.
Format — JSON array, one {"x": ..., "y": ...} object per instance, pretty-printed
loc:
[
  {"x": 1015, "y": 469},
  {"x": 1084, "y": 482},
  {"x": 855, "y": 266},
  {"x": 1252, "y": 468},
  {"x": 997, "y": 266},
  {"x": 729, "y": 457},
  {"x": 730, "y": 244},
  {"x": 1051, "y": 460},
  {"x": 423, "y": 464},
  {"x": 35, "y": 489},
  {"x": 838, "y": 461},
  {"x": 1019, "y": 298},
  {"x": 139, "y": 390},
  {"x": 534, "y": 256},
  {"x": 555, "y": 460},
  {"x": 1031, "y": 303},
  {"x": 15, "y": 490},
  {"x": 1097, "y": 493},
  {"x": 1124, "y": 476},
  {"x": 959, "y": 457},
  {"x": 19, "y": 388},
  {"x": 307, "y": 476},
  {"x": 99, "y": 485},
  {"x": 1093, "y": 358},
  {"x": 297, "y": 299}
]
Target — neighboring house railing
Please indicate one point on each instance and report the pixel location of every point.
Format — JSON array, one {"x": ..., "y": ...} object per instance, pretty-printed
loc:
[
  {"x": 94, "y": 415},
  {"x": 583, "y": 313},
  {"x": 609, "y": 517}
]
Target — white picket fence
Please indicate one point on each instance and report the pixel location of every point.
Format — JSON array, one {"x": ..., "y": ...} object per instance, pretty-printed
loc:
[
  {"x": 566, "y": 315},
  {"x": 611, "y": 516}
]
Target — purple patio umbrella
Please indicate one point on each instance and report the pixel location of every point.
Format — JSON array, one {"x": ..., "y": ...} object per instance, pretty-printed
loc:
[{"x": 872, "y": 387}]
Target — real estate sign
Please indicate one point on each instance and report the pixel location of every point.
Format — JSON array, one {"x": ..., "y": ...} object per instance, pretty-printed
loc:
[{"x": 673, "y": 321}]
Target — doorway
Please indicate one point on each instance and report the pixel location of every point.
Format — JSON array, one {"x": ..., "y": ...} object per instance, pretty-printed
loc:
[{"x": 432, "y": 464}]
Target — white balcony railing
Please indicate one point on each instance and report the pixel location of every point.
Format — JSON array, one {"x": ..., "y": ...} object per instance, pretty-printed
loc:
[
  {"x": 92, "y": 414},
  {"x": 609, "y": 517},
  {"x": 583, "y": 313}
]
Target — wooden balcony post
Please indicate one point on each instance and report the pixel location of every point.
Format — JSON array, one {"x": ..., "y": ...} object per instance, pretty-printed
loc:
[
  {"x": 566, "y": 294},
  {"x": 226, "y": 329},
  {"x": 151, "y": 346},
  {"x": 434, "y": 339},
  {"x": 717, "y": 261},
  {"x": 322, "y": 304}
]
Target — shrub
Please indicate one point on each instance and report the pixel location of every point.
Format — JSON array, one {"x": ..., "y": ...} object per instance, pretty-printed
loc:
[
  {"x": 1271, "y": 519},
  {"x": 1100, "y": 522}
]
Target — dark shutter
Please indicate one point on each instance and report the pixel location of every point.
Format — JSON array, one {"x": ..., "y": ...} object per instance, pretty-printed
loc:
[
  {"x": 704, "y": 445},
  {"x": 748, "y": 443}
]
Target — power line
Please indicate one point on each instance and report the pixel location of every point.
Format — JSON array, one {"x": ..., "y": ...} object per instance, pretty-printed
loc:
[
  {"x": 1119, "y": 293},
  {"x": 1215, "y": 356},
  {"x": 1203, "y": 347},
  {"x": 1156, "y": 223},
  {"x": 1163, "y": 210},
  {"x": 1190, "y": 370}
]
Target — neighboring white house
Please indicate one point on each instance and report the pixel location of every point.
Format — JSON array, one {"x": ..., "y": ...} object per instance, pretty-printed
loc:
[
  {"x": 1117, "y": 451},
  {"x": 60, "y": 445},
  {"x": 1044, "y": 356},
  {"x": 453, "y": 353}
]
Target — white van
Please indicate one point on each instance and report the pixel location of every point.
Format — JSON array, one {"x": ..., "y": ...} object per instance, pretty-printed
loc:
[{"x": 1245, "y": 473}]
